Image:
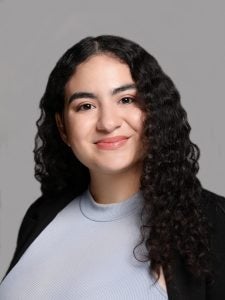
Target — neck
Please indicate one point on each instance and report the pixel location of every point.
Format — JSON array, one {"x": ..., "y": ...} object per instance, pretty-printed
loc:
[{"x": 114, "y": 188}]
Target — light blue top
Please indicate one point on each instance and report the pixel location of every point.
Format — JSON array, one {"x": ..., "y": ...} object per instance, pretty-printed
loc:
[{"x": 85, "y": 253}]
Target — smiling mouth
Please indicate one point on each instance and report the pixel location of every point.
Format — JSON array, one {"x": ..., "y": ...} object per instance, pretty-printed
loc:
[{"x": 111, "y": 145}]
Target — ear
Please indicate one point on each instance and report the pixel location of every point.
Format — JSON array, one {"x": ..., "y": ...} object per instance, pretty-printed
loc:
[{"x": 61, "y": 127}]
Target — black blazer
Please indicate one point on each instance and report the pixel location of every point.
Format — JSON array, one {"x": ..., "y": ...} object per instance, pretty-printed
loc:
[{"x": 183, "y": 286}]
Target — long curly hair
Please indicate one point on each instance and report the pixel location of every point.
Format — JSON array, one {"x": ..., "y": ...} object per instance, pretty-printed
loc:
[{"x": 173, "y": 220}]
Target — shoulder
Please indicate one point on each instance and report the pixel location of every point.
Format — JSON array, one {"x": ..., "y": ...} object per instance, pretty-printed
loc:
[
  {"x": 214, "y": 206},
  {"x": 36, "y": 218},
  {"x": 47, "y": 205},
  {"x": 41, "y": 212},
  {"x": 211, "y": 197}
]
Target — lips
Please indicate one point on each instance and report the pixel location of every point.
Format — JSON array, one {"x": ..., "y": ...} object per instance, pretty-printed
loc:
[
  {"x": 112, "y": 143},
  {"x": 112, "y": 139}
]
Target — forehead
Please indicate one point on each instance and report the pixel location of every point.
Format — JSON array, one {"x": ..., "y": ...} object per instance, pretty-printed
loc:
[{"x": 100, "y": 70}]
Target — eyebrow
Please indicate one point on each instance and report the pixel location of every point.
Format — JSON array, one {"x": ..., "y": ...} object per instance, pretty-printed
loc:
[{"x": 78, "y": 95}]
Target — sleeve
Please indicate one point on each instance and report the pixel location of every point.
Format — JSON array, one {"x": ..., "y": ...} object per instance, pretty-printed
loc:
[
  {"x": 217, "y": 289},
  {"x": 25, "y": 230}
]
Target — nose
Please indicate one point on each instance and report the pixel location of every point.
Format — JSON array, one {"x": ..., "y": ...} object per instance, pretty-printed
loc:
[{"x": 108, "y": 119}]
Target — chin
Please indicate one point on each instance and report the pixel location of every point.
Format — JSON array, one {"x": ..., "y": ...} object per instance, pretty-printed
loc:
[{"x": 113, "y": 169}]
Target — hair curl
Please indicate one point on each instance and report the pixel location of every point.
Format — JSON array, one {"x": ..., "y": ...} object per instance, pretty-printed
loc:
[{"x": 172, "y": 216}]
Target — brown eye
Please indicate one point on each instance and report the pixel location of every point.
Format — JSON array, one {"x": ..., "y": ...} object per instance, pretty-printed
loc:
[
  {"x": 85, "y": 106},
  {"x": 127, "y": 100}
]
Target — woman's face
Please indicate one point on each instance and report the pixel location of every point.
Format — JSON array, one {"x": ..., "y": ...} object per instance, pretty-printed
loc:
[{"x": 102, "y": 119}]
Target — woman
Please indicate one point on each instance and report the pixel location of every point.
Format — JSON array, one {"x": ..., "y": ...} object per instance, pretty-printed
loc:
[{"x": 122, "y": 214}]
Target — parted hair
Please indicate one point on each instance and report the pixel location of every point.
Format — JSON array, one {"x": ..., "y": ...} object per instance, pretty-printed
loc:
[{"x": 172, "y": 217}]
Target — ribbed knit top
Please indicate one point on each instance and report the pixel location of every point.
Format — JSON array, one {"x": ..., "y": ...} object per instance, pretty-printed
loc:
[
  {"x": 86, "y": 253},
  {"x": 99, "y": 212}
]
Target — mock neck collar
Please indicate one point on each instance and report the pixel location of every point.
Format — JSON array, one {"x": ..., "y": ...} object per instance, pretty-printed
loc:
[{"x": 100, "y": 212}]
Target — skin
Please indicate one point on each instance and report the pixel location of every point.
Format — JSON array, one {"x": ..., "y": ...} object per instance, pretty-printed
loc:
[{"x": 115, "y": 173}]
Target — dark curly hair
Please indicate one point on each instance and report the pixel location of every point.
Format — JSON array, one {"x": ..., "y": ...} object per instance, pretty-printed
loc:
[{"x": 173, "y": 220}]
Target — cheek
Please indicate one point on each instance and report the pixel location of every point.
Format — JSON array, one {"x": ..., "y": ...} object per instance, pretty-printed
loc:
[
  {"x": 79, "y": 129},
  {"x": 136, "y": 121}
]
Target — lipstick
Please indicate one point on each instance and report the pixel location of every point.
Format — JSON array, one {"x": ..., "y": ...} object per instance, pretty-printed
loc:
[{"x": 111, "y": 143}]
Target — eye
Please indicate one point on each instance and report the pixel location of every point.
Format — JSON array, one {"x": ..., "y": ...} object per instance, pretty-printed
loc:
[
  {"x": 127, "y": 100},
  {"x": 86, "y": 106}
]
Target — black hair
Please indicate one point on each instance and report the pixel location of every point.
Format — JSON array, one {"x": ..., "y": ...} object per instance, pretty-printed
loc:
[{"x": 173, "y": 220}]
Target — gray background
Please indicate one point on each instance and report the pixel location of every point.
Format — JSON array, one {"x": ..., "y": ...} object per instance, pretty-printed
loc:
[{"x": 187, "y": 38}]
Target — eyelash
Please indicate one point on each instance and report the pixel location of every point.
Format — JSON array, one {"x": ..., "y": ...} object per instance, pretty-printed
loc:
[
  {"x": 83, "y": 105},
  {"x": 131, "y": 98},
  {"x": 79, "y": 108}
]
